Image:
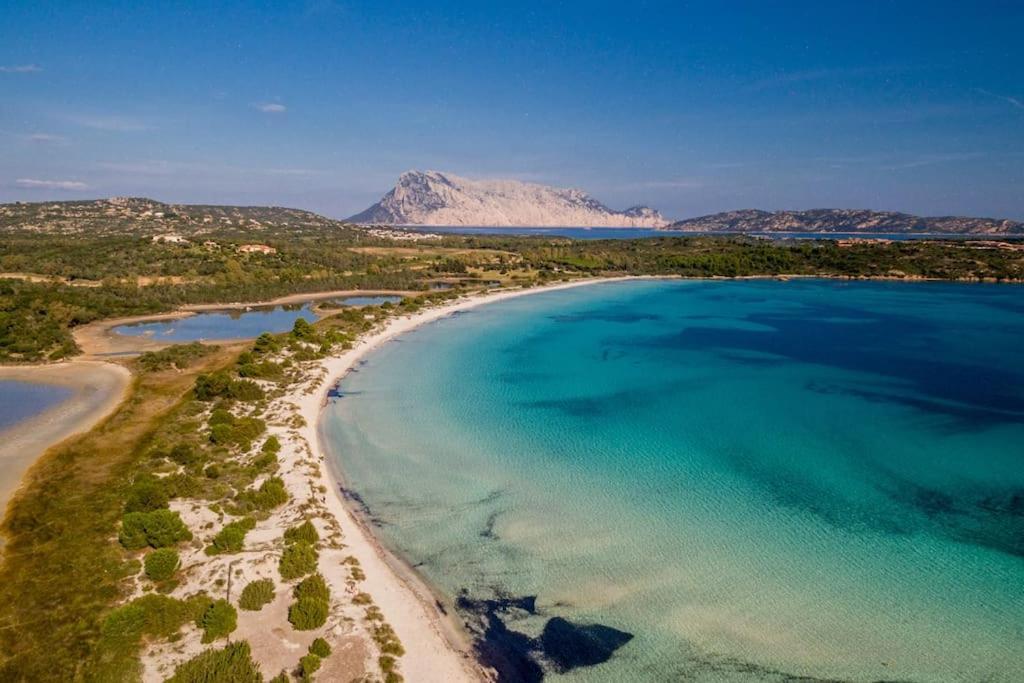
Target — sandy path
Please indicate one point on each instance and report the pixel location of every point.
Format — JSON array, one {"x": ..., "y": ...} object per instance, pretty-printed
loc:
[{"x": 98, "y": 389}]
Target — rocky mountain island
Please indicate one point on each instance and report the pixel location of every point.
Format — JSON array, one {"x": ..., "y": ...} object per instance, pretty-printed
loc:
[
  {"x": 434, "y": 198},
  {"x": 845, "y": 220}
]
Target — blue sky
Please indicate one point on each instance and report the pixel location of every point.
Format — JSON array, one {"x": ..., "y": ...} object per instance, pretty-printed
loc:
[{"x": 689, "y": 107}]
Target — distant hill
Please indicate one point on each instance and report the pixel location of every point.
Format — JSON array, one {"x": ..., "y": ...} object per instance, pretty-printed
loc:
[
  {"x": 137, "y": 215},
  {"x": 433, "y": 198},
  {"x": 845, "y": 220}
]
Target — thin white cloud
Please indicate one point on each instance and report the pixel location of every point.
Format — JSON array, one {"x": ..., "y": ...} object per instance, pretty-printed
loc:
[
  {"x": 118, "y": 124},
  {"x": 932, "y": 159},
  {"x": 34, "y": 184},
  {"x": 272, "y": 107},
  {"x": 47, "y": 139},
  {"x": 1012, "y": 101},
  {"x": 21, "y": 69},
  {"x": 785, "y": 78}
]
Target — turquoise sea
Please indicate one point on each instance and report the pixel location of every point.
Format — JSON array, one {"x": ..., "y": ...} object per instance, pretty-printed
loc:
[{"x": 710, "y": 480}]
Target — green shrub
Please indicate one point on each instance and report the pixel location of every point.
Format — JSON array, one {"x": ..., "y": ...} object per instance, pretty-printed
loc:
[
  {"x": 308, "y": 614},
  {"x": 280, "y": 678},
  {"x": 220, "y": 385},
  {"x": 218, "y": 621},
  {"x": 152, "y": 615},
  {"x": 241, "y": 432},
  {"x": 231, "y": 538},
  {"x": 261, "y": 370},
  {"x": 265, "y": 343},
  {"x": 271, "y": 445},
  {"x": 157, "y": 529},
  {"x": 183, "y": 454},
  {"x": 320, "y": 648},
  {"x": 145, "y": 495},
  {"x": 267, "y": 461},
  {"x": 162, "y": 563},
  {"x": 221, "y": 434},
  {"x": 256, "y": 595},
  {"x": 303, "y": 330},
  {"x": 313, "y": 587},
  {"x": 181, "y": 485},
  {"x": 220, "y": 416},
  {"x": 246, "y": 390},
  {"x": 178, "y": 356},
  {"x": 298, "y": 559},
  {"x": 233, "y": 664},
  {"x": 211, "y": 386},
  {"x": 308, "y": 665},
  {"x": 305, "y": 533},
  {"x": 269, "y": 495}
]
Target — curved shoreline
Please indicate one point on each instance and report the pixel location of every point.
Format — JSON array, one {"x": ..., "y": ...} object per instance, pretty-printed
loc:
[
  {"x": 434, "y": 639},
  {"x": 98, "y": 388}
]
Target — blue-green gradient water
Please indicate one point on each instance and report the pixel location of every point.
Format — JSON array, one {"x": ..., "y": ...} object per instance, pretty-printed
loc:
[{"x": 754, "y": 478}]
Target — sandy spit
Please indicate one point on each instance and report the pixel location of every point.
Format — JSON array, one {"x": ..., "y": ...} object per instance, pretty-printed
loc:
[{"x": 98, "y": 389}]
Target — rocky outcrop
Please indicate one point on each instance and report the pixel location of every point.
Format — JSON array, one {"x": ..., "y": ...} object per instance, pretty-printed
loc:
[{"x": 433, "y": 198}]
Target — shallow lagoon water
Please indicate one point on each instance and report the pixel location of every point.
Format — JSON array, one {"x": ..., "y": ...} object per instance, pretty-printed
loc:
[
  {"x": 22, "y": 400},
  {"x": 226, "y": 324},
  {"x": 755, "y": 479}
]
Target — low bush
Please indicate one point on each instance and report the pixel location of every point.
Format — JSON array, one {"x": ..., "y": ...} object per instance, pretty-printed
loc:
[
  {"x": 231, "y": 538},
  {"x": 307, "y": 614},
  {"x": 265, "y": 343},
  {"x": 298, "y": 559},
  {"x": 313, "y": 587},
  {"x": 218, "y": 621},
  {"x": 269, "y": 495},
  {"x": 272, "y": 445},
  {"x": 152, "y": 615},
  {"x": 220, "y": 385},
  {"x": 256, "y": 595},
  {"x": 305, "y": 533},
  {"x": 161, "y": 564},
  {"x": 308, "y": 665},
  {"x": 147, "y": 494},
  {"x": 320, "y": 648},
  {"x": 241, "y": 431},
  {"x": 157, "y": 529},
  {"x": 232, "y": 664},
  {"x": 183, "y": 454},
  {"x": 179, "y": 356}
]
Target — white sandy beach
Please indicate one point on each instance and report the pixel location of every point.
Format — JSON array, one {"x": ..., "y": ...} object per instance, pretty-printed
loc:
[
  {"x": 436, "y": 648},
  {"x": 98, "y": 389}
]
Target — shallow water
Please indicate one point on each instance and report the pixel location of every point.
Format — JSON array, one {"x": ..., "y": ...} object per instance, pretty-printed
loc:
[
  {"x": 753, "y": 478},
  {"x": 226, "y": 324},
  {"x": 22, "y": 400}
]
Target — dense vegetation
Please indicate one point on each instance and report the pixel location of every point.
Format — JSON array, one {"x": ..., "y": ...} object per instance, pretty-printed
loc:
[{"x": 52, "y": 283}]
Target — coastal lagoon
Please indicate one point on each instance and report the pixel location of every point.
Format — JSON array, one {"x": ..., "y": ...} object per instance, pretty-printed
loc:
[
  {"x": 23, "y": 400},
  {"x": 220, "y": 325},
  {"x": 753, "y": 479}
]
